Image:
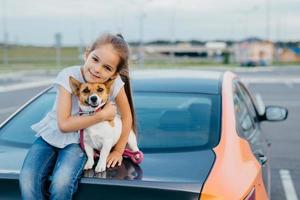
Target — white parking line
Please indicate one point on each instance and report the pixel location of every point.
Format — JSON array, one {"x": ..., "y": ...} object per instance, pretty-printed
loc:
[
  {"x": 27, "y": 85},
  {"x": 288, "y": 185}
]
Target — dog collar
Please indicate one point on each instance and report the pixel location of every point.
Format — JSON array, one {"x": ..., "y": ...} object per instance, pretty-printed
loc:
[
  {"x": 85, "y": 112},
  {"x": 89, "y": 112}
]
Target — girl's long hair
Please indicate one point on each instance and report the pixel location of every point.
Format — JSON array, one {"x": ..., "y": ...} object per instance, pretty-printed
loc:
[{"x": 122, "y": 48}]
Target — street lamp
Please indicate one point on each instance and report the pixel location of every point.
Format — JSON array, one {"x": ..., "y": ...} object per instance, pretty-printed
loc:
[
  {"x": 142, "y": 16},
  {"x": 141, "y": 43},
  {"x": 246, "y": 13},
  {"x": 58, "y": 38},
  {"x": 173, "y": 31},
  {"x": 5, "y": 35},
  {"x": 268, "y": 20}
]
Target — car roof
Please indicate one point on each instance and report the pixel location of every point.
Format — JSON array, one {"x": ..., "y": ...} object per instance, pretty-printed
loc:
[{"x": 177, "y": 80}]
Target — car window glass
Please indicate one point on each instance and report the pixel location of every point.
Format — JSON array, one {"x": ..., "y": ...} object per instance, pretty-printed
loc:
[
  {"x": 248, "y": 101},
  {"x": 176, "y": 120},
  {"x": 254, "y": 137},
  {"x": 245, "y": 123}
]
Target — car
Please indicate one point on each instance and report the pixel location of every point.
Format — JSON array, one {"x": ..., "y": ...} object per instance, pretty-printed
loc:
[
  {"x": 253, "y": 63},
  {"x": 199, "y": 132}
]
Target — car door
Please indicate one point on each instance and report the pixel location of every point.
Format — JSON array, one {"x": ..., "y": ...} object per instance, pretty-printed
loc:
[{"x": 248, "y": 127}]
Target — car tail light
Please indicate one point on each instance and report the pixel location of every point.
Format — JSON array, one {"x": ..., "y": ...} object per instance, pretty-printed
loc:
[{"x": 251, "y": 195}]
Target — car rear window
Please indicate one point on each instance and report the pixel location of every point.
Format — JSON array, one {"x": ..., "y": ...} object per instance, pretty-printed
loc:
[
  {"x": 165, "y": 121},
  {"x": 177, "y": 121}
]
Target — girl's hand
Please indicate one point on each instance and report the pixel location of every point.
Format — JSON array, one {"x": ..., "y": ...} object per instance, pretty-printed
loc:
[
  {"x": 108, "y": 112},
  {"x": 115, "y": 157}
]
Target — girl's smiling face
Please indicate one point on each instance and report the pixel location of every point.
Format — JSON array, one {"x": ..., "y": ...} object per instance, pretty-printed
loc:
[{"x": 100, "y": 64}]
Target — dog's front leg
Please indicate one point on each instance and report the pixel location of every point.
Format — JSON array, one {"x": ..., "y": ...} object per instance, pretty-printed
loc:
[
  {"x": 90, "y": 154},
  {"x": 101, "y": 165},
  {"x": 132, "y": 141}
]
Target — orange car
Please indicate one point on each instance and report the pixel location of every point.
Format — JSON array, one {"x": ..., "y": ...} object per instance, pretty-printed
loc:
[
  {"x": 241, "y": 169},
  {"x": 199, "y": 131}
]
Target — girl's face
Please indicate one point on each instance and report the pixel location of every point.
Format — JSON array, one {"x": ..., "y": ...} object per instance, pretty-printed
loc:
[{"x": 100, "y": 64}]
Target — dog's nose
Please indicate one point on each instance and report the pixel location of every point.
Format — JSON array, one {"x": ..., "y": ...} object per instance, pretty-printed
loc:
[{"x": 93, "y": 99}]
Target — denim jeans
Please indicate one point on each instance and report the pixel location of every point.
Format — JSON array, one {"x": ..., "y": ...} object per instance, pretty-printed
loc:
[{"x": 42, "y": 160}]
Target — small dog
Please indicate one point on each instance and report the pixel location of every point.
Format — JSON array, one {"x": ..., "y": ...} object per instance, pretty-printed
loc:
[{"x": 103, "y": 135}]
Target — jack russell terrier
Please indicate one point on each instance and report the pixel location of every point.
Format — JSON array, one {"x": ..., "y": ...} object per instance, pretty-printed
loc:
[{"x": 103, "y": 135}]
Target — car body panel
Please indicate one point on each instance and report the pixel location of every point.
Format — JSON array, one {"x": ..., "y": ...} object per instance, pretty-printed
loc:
[
  {"x": 11, "y": 166},
  {"x": 234, "y": 160},
  {"x": 160, "y": 172}
]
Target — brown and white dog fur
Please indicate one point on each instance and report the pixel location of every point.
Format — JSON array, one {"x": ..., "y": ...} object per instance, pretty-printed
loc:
[{"x": 103, "y": 135}]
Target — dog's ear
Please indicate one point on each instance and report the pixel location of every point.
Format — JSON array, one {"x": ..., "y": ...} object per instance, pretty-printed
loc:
[
  {"x": 75, "y": 85},
  {"x": 110, "y": 82}
]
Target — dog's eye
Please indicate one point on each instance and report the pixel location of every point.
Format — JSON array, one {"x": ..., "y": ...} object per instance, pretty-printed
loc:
[
  {"x": 100, "y": 89},
  {"x": 86, "y": 90}
]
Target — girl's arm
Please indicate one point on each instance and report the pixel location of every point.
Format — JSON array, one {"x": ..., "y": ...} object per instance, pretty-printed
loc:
[
  {"x": 68, "y": 123},
  {"x": 124, "y": 107}
]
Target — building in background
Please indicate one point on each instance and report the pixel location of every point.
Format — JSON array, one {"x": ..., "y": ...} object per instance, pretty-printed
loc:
[
  {"x": 289, "y": 54},
  {"x": 209, "y": 51},
  {"x": 254, "y": 52},
  {"x": 216, "y": 50}
]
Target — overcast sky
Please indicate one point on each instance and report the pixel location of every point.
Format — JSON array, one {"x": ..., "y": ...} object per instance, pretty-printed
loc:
[{"x": 36, "y": 22}]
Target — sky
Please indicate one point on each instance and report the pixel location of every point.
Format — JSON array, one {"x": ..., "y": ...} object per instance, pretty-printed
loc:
[{"x": 80, "y": 21}]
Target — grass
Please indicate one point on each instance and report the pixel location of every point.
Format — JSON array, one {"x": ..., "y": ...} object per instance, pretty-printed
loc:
[
  {"x": 39, "y": 52},
  {"x": 32, "y": 58},
  {"x": 286, "y": 64}
]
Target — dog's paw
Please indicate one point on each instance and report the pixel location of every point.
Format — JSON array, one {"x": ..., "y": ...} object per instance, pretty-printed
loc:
[
  {"x": 101, "y": 175},
  {"x": 89, "y": 164},
  {"x": 100, "y": 168}
]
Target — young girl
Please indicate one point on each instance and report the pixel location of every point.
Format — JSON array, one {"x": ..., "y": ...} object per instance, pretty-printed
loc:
[{"x": 57, "y": 151}]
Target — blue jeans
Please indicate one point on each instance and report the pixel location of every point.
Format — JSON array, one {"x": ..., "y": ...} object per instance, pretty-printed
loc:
[{"x": 42, "y": 160}]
